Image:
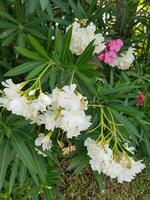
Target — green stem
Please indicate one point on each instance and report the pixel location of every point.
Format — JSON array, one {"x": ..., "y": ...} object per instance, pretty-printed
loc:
[{"x": 72, "y": 77}]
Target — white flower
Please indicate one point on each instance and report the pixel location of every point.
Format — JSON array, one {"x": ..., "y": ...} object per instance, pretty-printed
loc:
[
  {"x": 73, "y": 122},
  {"x": 99, "y": 154},
  {"x": 123, "y": 170},
  {"x": 51, "y": 119},
  {"x": 11, "y": 89},
  {"x": 102, "y": 161},
  {"x": 4, "y": 101},
  {"x": 125, "y": 60},
  {"x": 13, "y": 101},
  {"x": 18, "y": 106},
  {"x": 81, "y": 37},
  {"x": 42, "y": 102},
  {"x": 64, "y": 108},
  {"x": 69, "y": 100},
  {"x": 44, "y": 141}
]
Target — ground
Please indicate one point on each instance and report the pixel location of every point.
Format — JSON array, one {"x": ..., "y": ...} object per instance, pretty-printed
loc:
[{"x": 84, "y": 187}]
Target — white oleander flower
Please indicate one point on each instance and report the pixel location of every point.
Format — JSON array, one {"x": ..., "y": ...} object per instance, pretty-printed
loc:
[
  {"x": 82, "y": 36},
  {"x": 124, "y": 61},
  {"x": 99, "y": 154},
  {"x": 69, "y": 100},
  {"x": 4, "y": 101},
  {"x": 124, "y": 170},
  {"x": 44, "y": 141},
  {"x": 41, "y": 103},
  {"x": 101, "y": 160},
  {"x": 13, "y": 101},
  {"x": 51, "y": 119},
  {"x": 18, "y": 106},
  {"x": 74, "y": 121},
  {"x": 11, "y": 89}
]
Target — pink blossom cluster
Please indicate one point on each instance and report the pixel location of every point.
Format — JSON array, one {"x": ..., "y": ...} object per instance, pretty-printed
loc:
[
  {"x": 109, "y": 54},
  {"x": 140, "y": 99}
]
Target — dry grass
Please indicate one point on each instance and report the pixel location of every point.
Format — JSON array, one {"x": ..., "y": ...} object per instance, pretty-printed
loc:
[{"x": 84, "y": 187}]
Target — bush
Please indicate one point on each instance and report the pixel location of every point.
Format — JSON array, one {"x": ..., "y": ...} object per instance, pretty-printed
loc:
[{"x": 75, "y": 84}]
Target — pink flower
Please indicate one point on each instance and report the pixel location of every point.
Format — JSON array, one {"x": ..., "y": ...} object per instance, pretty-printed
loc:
[
  {"x": 140, "y": 99},
  {"x": 110, "y": 56},
  {"x": 115, "y": 45},
  {"x": 101, "y": 56}
]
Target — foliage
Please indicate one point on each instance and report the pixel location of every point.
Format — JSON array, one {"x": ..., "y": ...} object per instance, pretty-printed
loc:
[{"x": 28, "y": 51}]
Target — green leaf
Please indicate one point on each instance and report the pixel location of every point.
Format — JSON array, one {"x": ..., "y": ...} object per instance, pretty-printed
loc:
[
  {"x": 14, "y": 172},
  {"x": 36, "y": 71},
  {"x": 127, "y": 109},
  {"x": 38, "y": 47},
  {"x": 41, "y": 165},
  {"x": 124, "y": 88},
  {"x": 6, "y": 24},
  {"x": 44, "y": 4},
  {"x": 100, "y": 181},
  {"x": 35, "y": 193},
  {"x": 21, "y": 39},
  {"x": 47, "y": 194},
  {"x": 21, "y": 69},
  {"x": 61, "y": 4},
  {"x": 23, "y": 153},
  {"x": 81, "y": 10},
  {"x": 29, "y": 54},
  {"x": 22, "y": 173},
  {"x": 127, "y": 125},
  {"x": 9, "y": 39},
  {"x": 49, "y": 10},
  {"x": 52, "y": 77},
  {"x": 86, "y": 55},
  {"x": 66, "y": 54},
  {"x": 30, "y": 6},
  {"x": 57, "y": 45},
  {"x": 8, "y": 17},
  {"x": 7, "y": 32},
  {"x": 36, "y": 32},
  {"x": 78, "y": 163},
  {"x": 74, "y": 8},
  {"x": 4, "y": 160},
  {"x": 86, "y": 84}
]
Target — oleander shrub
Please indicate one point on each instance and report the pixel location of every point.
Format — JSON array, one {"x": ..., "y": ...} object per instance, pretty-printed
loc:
[{"x": 75, "y": 84}]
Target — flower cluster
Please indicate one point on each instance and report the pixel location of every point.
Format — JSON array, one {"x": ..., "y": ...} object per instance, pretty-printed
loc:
[
  {"x": 67, "y": 111},
  {"x": 102, "y": 160},
  {"x": 110, "y": 55},
  {"x": 13, "y": 101},
  {"x": 140, "y": 99},
  {"x": 110, "y": 52},
  {"x": 82, "y": 36},
  {"x": 63, "y": 109}
]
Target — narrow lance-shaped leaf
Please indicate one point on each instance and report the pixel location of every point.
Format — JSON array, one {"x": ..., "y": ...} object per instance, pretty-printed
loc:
[
  {"x": 88, "y": 52},
  {"x": 65, "y": 55},
  {"x": 4, "y": 160},
  {"x": 23, "y": 152},
  {"x": 29, "y": 54},
  {"x": 22, "y": 173},
  {"x": 36, "y": 71},
  {"x": 23, "y": 68},
  {"x": 14, "y": 172},
  {"x": 38, "y": 47},
  {"x": 127, "y": 124},
  {"x": 43, "y": 4}
]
